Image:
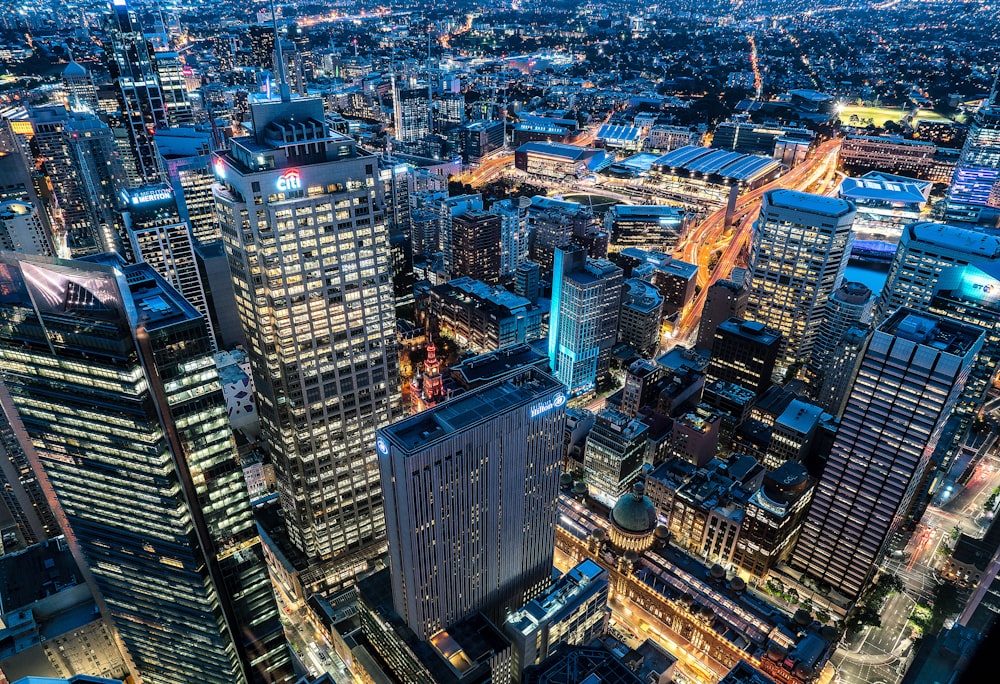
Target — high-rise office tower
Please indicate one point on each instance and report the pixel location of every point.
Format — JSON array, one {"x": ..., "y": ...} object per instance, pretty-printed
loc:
[
  {"x": 527, "y": 277},
  {"x": 395, "y": 190},
  {"x": 302, "y": 220},
  {"x": 849, "y": 305},
  {"x": 911, "y": 374},
  {"x": 470, "y": 488},
  {"x": 724, "y": 300},
  {"x": 615, "y": 453},
  {"x": 744, "y": 353},
  {"x": 159, "y": 237},
  {"x": 841, "y": 369},
  {"x": 412, "y": 113},
  {"x": 169, "y": 72},
  {"x": 262, "y": 46},
  {"x": 21, "y": 491},
  {"x": 974, "y": 195},
  {"x": 21, "y": 229},
  {"x": 773, "y": 518},
  {"x": 78, "y": 155},
  {"x": 475, "y": 246},
  {"x": 514, "y": 235},
  {"x": 140, "y": 98},
  {"x": 185, "y": 154},
  {"x": 112, "y": 377},
  {"x": 955, "y": 272},
  {"x": 800, "y": 249},
  {"x": 583, "y": 318},
  {"x": 79, "y": 86}
]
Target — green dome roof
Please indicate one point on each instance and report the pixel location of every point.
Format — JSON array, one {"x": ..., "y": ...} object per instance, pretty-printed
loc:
[{"x": 635, "y": 512}]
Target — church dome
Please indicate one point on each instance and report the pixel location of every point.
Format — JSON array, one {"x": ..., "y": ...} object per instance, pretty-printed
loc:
[
  {"x": 633, "y": 521},
  {"x": 635, "y": 512}
]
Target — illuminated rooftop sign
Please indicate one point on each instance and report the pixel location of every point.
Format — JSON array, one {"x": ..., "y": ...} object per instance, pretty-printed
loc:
[
  {"x": 148, "y": 195},
  {"x": 289, "y": 180},
  {"x": 546, "y": 406}
]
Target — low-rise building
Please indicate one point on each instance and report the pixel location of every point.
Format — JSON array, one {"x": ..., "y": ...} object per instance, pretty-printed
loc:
[
  {"x": 573, "y": 611},
  {"x": 479, "y": 317}
]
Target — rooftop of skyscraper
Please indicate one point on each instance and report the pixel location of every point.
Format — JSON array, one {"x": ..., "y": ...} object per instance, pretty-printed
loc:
[
  {"x": 957, "y": 238},
  {"x": 938, "y": 333},
  {"x": 808, "y": 202},
  {"x": 751, "y": 330},
  {"x": 480, "y": 405},
  {"x": 564, "y": 594}
]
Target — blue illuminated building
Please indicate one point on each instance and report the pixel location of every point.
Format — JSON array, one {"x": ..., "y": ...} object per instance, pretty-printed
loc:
[{"x": 583, "y": 319}]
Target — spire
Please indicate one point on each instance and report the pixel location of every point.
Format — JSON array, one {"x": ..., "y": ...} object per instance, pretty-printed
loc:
[{"x": 283, "y": 89}]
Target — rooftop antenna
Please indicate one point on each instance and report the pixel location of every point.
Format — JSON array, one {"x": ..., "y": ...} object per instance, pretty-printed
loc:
[
  {"x": 430, "y": 84},
  {"x": 283, "y": 89},
  {"x": 392, "y": 84}
]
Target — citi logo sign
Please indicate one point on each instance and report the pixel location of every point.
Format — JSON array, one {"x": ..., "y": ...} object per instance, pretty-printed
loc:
[{"x": 289, "y": 180}]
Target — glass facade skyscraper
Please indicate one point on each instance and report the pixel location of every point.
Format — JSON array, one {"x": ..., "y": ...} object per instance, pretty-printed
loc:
[
  {"x": 800, "y": 249},
  {"x": 143, "y": 108},
  {"x": 974, "y": 194},
  {"x": 471, "y": 488},
  {"x": 911, "y": 374},
  {"x": 302, "y": 218},
  {"x": 112, "y": 377},
  {"x": 583, "y": 318}
]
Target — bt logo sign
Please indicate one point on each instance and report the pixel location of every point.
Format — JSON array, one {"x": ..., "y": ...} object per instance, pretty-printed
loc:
[
  {"x": 985, "y": 288},
  {"x": 289, "y": 180}
]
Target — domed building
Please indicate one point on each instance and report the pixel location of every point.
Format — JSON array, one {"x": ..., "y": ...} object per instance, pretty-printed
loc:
[{"x": 633, "y": 521}]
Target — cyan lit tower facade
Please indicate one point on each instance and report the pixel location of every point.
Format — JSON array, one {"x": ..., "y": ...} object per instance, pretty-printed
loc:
[
  {"x": 974, "y": 194},
  {"x": 112, "y": 377},
  {"x": 140, "y": 97},
  {"x": 800, "y": 249},
  {"x": 583, "y": 318},
  {"x": 911, "y": 374},
  {"x": 470, "y": 489},
  {"x": 301, "y": 213}
]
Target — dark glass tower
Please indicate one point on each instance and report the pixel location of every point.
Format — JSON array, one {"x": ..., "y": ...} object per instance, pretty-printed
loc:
[
  {"x": 140, "y": 96},
  {"x": 111, "y": 375}
]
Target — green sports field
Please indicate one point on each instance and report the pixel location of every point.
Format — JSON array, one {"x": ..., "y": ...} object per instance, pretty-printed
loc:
[{"x": 879, "y": 115}]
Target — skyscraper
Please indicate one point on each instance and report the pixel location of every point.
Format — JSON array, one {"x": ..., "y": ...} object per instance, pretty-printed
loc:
[
  {"x": 475, "y": 246},
  {"x": 21, "y": 229},
  {"x": 911, "y": 374},
  {"x": 302, "y": 220},
  {"x": 112, "y": 376},
  {"x": 514, "y": 237},
  {"x": 724, "y": 300},
  {"x": 955, "y": 272},
  {"x": 140, "y": 98},
  {"x": 744, "y": 353},
  {"x": 849, "y": 305},
  {"x": 160, "y": 238},
  {"x": 800, "y": 249},
  {"x": 412, "y": 114},
  {"x": 185, "y": 154},
  {"x": 583, "y": 318},
  {"x": 78, "y": 154},
  {"x": 974, "y": 194},
  {"x": 471, "y": 488},
  {"x": 79, "y": 87},
  {"x": 169, "y": 72}
]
